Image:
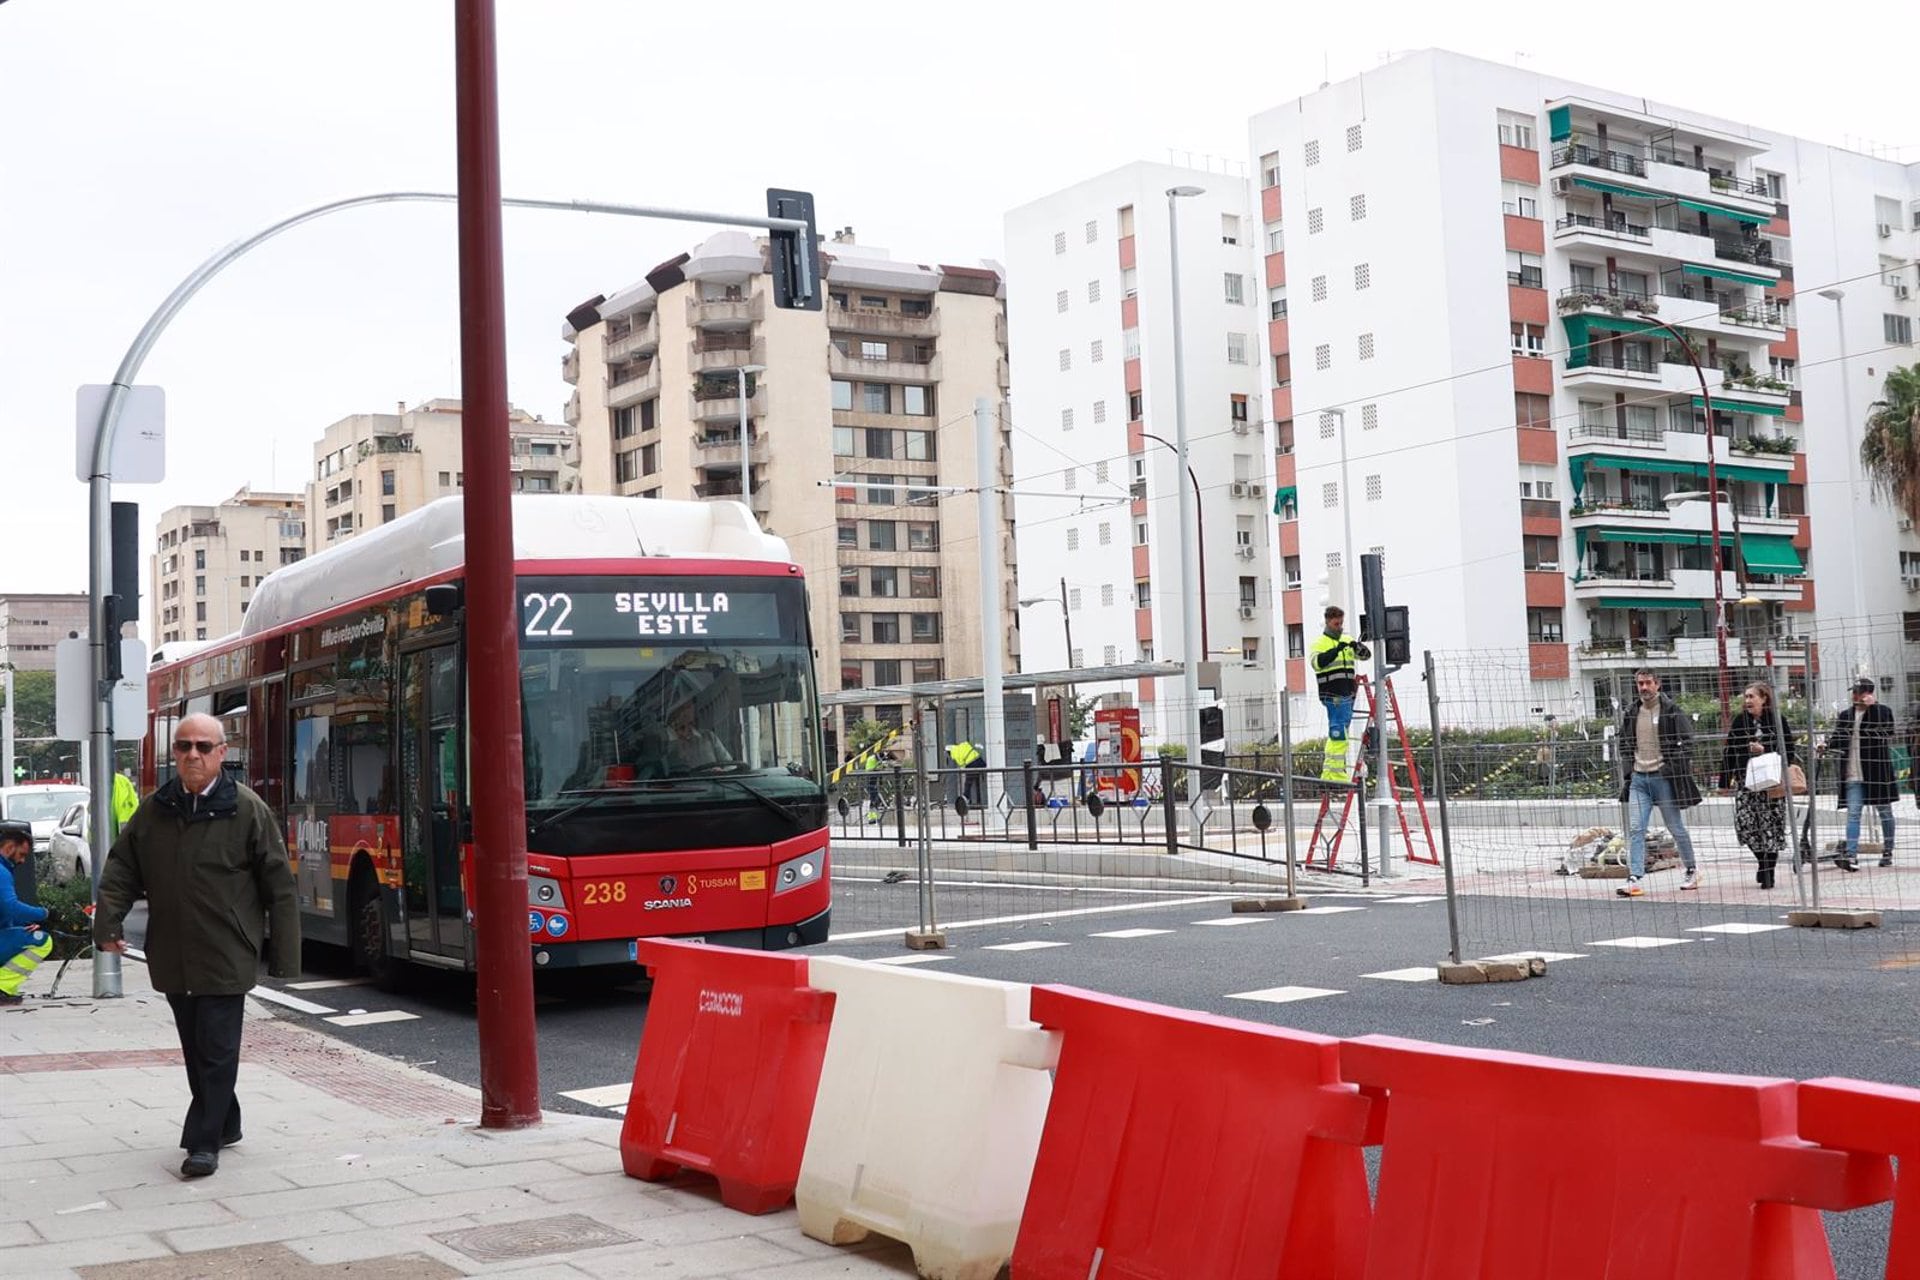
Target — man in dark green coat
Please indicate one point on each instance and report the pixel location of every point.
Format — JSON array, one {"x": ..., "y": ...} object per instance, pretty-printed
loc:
[{"x": 206, "y": 854}]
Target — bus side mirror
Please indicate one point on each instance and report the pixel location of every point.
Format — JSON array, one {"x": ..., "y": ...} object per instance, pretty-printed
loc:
[{"x": 444, "y": 599}]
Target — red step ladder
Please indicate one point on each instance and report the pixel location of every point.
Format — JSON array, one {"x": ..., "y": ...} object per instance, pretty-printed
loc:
[{"x": 1326, "y": 850}]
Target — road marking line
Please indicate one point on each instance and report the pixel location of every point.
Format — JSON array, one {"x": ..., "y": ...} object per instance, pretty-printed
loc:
[
  {"x": 291, "y": 1002},
  {"x": 369, "y": 1019},
  {"x": 918, "y": 957},
  {"x": 1285, "y": 995},
  {"x": 322, "y": 984},
  {"x": 1321, "y": 911},
  {"x": 1036, "y": 915},
  {"x": 607, "y": 1095},
  {"x": 1420, "y": 973},
  {"x": 1550, "y": 957},
  {"x": 1735, "y": 927},
  {"x": 1227, "y": 922},
  {"x": 1441, "y": 897},
  {"x": 1130, "y": 933},
  {"x": 1639, "y": 943},
  {"x": 1035, "y": 945}
]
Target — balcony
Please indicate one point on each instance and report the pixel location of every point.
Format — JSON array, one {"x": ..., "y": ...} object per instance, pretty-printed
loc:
[
  {"x": 1601, "y": 232},
  {"x": 727, "y": 408},
  {"x": 726, "y": 313},
  {"x": 1579, "y": 155},
  {"x": 722, "y": 448},
  {"x": 841, "y": 365},
  {"x": 571, "y": 415},
  {"x": 636, "y": 340},
  {"x": 887, "y": 323},
  {"x": 634, "y": 386},
  {"x": 1710, "y": 181},
  {"x": 1664, "y": 651},
  {"x": 710, "y": 358},
  {"x": 1593, "y": 299},
  {"x": 570, "y": 366}
]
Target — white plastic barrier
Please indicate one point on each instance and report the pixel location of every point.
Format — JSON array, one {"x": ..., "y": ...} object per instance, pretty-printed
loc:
[{"x": 932, "y": 1097}]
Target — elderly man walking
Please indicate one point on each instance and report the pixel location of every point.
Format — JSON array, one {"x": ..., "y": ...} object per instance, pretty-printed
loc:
[{"x": 206, "y": 854}]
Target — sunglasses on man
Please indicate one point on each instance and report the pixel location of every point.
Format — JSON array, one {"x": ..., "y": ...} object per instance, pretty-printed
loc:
[{"x": 186, "y": 746}]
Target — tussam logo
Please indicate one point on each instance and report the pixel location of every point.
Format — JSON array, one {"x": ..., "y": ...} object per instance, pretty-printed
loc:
[{"x": 360, "y": 630}]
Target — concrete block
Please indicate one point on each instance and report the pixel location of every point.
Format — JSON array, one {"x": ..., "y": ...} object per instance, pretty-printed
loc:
[
  {"x": 1507, "y": 970},
  {"x": 1462, "y": 975},
  {"x": 1832, "y": 919},
  {"x": 1244, "y": 905},
  {"x": 926, "y": 939}
]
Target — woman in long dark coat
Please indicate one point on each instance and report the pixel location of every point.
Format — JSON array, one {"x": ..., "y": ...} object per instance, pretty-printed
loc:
[{"x": 1759, "y": 819}]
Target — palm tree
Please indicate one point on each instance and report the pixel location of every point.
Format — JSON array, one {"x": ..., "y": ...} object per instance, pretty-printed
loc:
[{"x": 1890, "y": 449}]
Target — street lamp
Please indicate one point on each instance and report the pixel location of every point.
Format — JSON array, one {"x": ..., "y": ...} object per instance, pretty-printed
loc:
[
  {"x": 1066, "y": 623},
  {"x": 1838, "y": 297},
  {"x": 1199, "y": 535},
  {"x": 1349, "y": 568},
  {"x": 1194, "y": 650}
]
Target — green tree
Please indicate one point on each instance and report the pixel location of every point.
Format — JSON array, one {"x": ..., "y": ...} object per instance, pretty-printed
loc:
[{"x": 1890, "y": 447}]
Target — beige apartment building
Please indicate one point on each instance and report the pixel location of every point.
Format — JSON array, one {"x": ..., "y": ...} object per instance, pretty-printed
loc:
[
  {"x": 31, "y": 625},
  {"x": 860, "y": 426},
  {"x": 208, "y": 560},
  {"x": 370, "y": 468}
]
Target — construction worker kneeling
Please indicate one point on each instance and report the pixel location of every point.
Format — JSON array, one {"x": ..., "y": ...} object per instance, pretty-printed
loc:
[
  {"x": 22, "y": 945},
  {"x": 1334, "y": 656}
]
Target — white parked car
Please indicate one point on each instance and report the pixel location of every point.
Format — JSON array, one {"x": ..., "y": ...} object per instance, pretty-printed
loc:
[
  {"x": 68, "y": 855},
  {"x": 43, "y": 804}
]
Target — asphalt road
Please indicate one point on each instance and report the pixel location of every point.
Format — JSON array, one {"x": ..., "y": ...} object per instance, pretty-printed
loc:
[{"x": 1791, "y": 1003}]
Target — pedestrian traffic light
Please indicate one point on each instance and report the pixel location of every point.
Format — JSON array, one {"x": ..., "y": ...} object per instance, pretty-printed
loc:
[
  {"x": 794, "y": 254},
  {"x": 1397, "y": 636}
]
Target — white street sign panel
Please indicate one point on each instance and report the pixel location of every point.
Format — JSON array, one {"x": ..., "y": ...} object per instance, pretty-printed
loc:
[
  {"x": 139, "y": 442},
  {"x": 73, "y": 691}
]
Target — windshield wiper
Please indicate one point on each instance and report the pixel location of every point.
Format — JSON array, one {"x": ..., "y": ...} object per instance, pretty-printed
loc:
[
  {"x": 784, "y": 810},
  {"x": 592, "y": 796}
]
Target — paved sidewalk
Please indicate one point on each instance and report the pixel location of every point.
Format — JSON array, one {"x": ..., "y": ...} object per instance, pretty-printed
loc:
[{"x": 352, "y": 1165}]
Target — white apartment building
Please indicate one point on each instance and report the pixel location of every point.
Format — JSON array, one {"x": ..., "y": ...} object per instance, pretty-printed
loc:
[
  {"x": 207, "y": 561},
  {"x": 1464, "y": 267},
  {"x": 860, "y": 438},
  {"x": 1091, "y": 331},
  {"x": 370, "y": 468}
]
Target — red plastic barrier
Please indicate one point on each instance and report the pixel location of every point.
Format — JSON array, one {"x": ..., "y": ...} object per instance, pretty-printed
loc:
[
  {"x": 1883, "y": 1119},
  {"x": 1180, "y": 1144},
  {"x": 1508, "y": 1165},
  {"x": 729, "y": 1063}
]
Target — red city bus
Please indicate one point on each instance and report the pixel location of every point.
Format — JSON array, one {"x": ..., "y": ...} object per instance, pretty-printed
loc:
[{"x": 670, "y": 728}]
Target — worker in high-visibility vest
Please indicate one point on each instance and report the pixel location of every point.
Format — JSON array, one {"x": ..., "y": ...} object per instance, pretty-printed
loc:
[
  {"x": 1334, "y": 656},
  {"x": 965, "y": 755},
  {"x": 23, "y": 944},
  {"x": 870, "y": 765},
  {"x": 126, "y": 801}
]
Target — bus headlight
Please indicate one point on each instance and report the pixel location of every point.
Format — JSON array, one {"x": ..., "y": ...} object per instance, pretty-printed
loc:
[
  {"x": 797, "y": 873},
  {"x": 545, "y": 892}
]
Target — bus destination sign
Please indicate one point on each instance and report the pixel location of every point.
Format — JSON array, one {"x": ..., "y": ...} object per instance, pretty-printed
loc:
[{"x": 583, "y": 613}]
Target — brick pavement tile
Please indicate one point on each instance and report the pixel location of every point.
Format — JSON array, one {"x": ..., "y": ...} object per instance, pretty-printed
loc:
[
  {"x": 893, "y": 1260},
  {"x": 129, "y": 1164},
  {"x": 58, "y": 1228},
  {"x": 708, "y": 1259},
  {"x": 328, "y": 1173},
  {"x": 300, "y": 1200},
  {"x": 452, "y": 1205},
  {"x": 530, "y": 1173},
  {"x": 572, "y": 1187},
  {"x": 19, "y": 1171},
  {"x": 670, "y": 1230},
  {"x": 489, "y": 1150},
  {"x": 168, "y": 1188},
  {"x": 605, "y": 1161},
  {"x": 90, "y": 1145},
  {"x": 199, "y": 1239},
  {"x": 336, "y": 1247},
  {"x": 38, "y": 1261},
  {"x": 14, "y": 1234}
]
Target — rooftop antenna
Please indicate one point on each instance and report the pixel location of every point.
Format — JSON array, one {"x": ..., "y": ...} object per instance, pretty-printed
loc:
[{"x": 1326, "y": 69}]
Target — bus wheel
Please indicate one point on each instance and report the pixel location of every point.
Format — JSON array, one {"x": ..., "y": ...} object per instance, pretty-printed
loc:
[{"x": 370, "y": 934}]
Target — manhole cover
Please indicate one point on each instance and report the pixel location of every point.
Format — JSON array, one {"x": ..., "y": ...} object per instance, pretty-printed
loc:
[{"x": 532, "y": 1238}]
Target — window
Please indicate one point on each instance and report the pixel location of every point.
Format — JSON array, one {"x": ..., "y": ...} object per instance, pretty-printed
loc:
[
  {"x": 1524, "y": 269},
  {"x": 916, "y": 402},
  {"x": 850, "y": 627},
  {"x": 875, "y": 397},
  {"x": 1537, "y": 487},
  {"x": 849, "y": 581},
  {"x": 923, "y": 536},
  {"x": 1362, "y": 275},
  {"x": 1243, "y": 531},
  {"x": 886, "y": 630},
  {"x": 200, "y": 586},
  {"x": 1277, "y": 305},
  {"x": 843, "y": 442},
  {"x": 1290, "y": 570},
  {"x": 1143, "y": 595},
  {"x": 1366, "y": 346},
  {"x": 1066, "y": 419},
  {"x": 1909, "y": 567},
  {"x": 200, "y": 559},
  {"x": 1249, "y": 591},
  {"x": 926, "y": 628},
  {"x": 1097, "y": 351},
  {"x": 1898, "y": 329},
  {"x": 1106, "y": 533},
  {"x": 1099, "y": 412},
  {"x": 1544, "y": 626},
  {"x": 1236, "y": 290},
  {"x": 1093, "y": 232},
  {"x": 880, "y": 491},
  {"x": 291, "y": 555},
  {"x": 387, "y": 510},
  {"x": 1073, "y": 539},
  {"x": 1373, "y": 488},
  {"x": 1784, "y": 370},
  {"x": 1134, "y": 406},
  {"x": 886, "y": 672},
  {"x": 1059, "y": 242},
  {"x": 1126, "y": 220},
  {"x": 1316, "y": 221},
  {"x": 200, "y": 611},
  {"x": 885, "y": 581},
  {"x": 1106, "y": 594},
  {"x": 1140, "y": 533},
  {"x": 1323, "y": 356},
  {"x": 1357, "y": 208},
  {"x": 926, "y": 669},
  {"x": 875, "y": 350},
  {"x": 1516, "y": 130},
  {"x": 1330, "y": 496},
  {"x": 1270, "y": 169},
  {"x": 842, "y": 395},
  {"x": 1130, "y": 343},
  {"x": 1296, "y": 640},
  {"x": 1532, "y": 410},
  {"x": 1276, "y": 239},
  {"x": 1319, "y": 288},
  {"x": 1130, "y": 281},
  {"x": 880, "y": 535},
  {"x": 386, "y": 484},
  {"x": 848, "y": 532},
  {"x": 1776, "y": 183},
  {"x": 1237, "y": 408},
  {"x": 1327, "y": 426},
  {"x": 1528, "y": 339},
  {"x": 626, "y": 425},
  {"x": 1539, "y": 553},
  {"x": 1093, "y": 291},
  {"x": 1312, "y": 152},
  {"x": 1369, "y": 417},
  {"x": 923, "y": 584},
  {"x": 1060, "y": 300},
  {"x": 1236, "y": 348},
  {"x": 1066, "y": 359},
  {"x": 1229, "y": 229},
  {"x": 1520, "y": 199},
  {"x": 649, "y": 459},
  {"x": 873, "y": 302}
]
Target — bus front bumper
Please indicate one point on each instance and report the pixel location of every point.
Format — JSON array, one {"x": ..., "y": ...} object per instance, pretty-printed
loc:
[{"x": 620, "y": 951}]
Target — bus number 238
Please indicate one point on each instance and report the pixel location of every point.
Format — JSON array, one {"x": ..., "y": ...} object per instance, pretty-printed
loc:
[
  {"x": 559, "y": 604},
  {"x": 601, "y": 892}
]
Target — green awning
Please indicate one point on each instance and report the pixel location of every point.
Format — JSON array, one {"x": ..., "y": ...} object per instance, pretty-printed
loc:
[
  {"x": 1580, "y": 326},
  {"x": 1771, "y": 553},
  {"x": 1282, "y": 497},
  {"x": 1729, "y": 404},
  {"x": 1608, "y": 188},
  {"x": 1721, "y": 273},
  {"x": 1738, "y": 215},
  {"x": 1560, "y": 123},
  {"x": 1664, "y": 466},
  {"x": 1664, "y": 537},
  {"x": 1664, "y": 602}
]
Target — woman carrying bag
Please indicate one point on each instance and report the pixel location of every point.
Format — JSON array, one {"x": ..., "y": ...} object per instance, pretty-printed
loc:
[{"x": 1759, "y": 759}]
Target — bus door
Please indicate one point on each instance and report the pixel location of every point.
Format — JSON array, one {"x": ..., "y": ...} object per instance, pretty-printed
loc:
[{"x": 433, "y": 799}]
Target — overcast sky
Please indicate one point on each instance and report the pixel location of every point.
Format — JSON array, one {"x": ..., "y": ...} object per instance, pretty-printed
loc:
[{"x": 140, "y": 135}]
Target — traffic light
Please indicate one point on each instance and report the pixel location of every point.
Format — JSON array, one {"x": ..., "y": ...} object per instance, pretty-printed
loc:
[
  {"x": 795, "y": 255},
  {"x": 1399, "y": 636}
]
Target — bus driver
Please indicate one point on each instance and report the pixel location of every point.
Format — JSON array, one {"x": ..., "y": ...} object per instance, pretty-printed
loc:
[{"x": 693, "y": 746}]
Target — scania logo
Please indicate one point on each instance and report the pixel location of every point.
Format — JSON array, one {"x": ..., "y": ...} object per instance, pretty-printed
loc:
[{"x": 666, "y": 884}]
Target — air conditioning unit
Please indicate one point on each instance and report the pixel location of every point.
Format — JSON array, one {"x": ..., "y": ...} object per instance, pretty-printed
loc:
[
  {"x": 1256, "y": 491},
  {"x": 1241, "y": 428},
  {"x": 1246, "y": 552},
  {"x": 1563, "y": 186},
  {"x": 1239, "y": 488},
  {"x": 1902, "y": 290},
  {"x": 1886, "y": 230},
  {"x": 1906, "y": 525},
  {"x": 1913, "y": 584},
  {"x": 1247, "y": 611}
]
